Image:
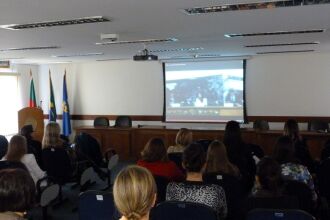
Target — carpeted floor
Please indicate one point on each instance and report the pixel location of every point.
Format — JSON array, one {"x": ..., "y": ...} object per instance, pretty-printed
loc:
[{"x": 68, "y": 209}]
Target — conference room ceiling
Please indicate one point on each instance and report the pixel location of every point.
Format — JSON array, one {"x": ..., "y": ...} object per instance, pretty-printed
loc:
[{"x": 201, "y": 35}]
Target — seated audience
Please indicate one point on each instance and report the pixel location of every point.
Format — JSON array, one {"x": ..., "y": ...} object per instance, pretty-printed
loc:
[
  {"x": 17, "y": 194},
  {"x": 193, "y": 189},
  {"x": 301, "y": 151},
  {"x": 291, "y": 169},
  {"x": 240, "y": 155},
  {"x": 33, "y": 146},
  {"x": 183, "y": 138},
  {"x": 134, "y": 192},
  {"x": 17, "y": 152},
  {"x": 3, "y": 146},
  {"x": 154, "y": 158}
]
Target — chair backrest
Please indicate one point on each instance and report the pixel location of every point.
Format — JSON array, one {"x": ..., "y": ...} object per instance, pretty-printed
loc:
[
  {"x": 123, "y": 121},
  {"x": 176, "y": 158},
  {"x": 5, "y": 164},
  {"x": 261, "y": 125},
  {"x": 302, "y": 192},
  {"x": 273, "y": 214},
  {"x": 57, "y": 164},
  {"x": 49, "y": 194},
  {"x": 97, "y": 205},
  {"x": 183, "y": 211},
  {"x": 87, "y": 148},
  {"x": 101, "y": 121},
  {"x": 161, "y": 183},
  {"x": 317, "y": 125},
  {"x": 324, "y": 178},
  {"x": 114, "y": 159},
  {"x": 88, "y": 176}
]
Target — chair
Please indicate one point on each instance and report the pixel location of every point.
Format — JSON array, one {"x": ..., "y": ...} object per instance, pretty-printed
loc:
[
  {"x": 87, "y": 178},
  {"x": 317, "y": 125},
  {"x": 161, "y": 183},
  {"x": 273, "y": 214},
  {"x": 183, "y": 211},
  {"x": 261, "y": 125},
  {"x": 324, "y": 179},
  {"x": 123, "y": 121},
  {"x": 96, "y": 205},
  {"x": 101, "y": 121}
]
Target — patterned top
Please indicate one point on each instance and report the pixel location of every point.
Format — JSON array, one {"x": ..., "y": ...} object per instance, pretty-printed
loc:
[
  {"x": 208, "y": 194},
  {"x": 293, "y": 171}
]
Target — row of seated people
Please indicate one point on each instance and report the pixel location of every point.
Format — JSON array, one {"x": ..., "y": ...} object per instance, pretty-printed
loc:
[{"x": 232, "y": 166}]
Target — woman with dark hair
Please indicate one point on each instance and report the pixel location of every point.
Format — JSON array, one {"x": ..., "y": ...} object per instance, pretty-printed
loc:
[
  {"x": 239, "y": 154},
  {"x": 291, "y": 129},
  {"x": 290, "y": 167},
  {"x": 154, "y": 158},
  {"x": 193, "y": 189},
  {"x": 17, "y": 194}
]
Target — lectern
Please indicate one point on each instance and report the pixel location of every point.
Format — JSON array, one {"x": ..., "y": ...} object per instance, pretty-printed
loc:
[{"x": 32, "y": 116}]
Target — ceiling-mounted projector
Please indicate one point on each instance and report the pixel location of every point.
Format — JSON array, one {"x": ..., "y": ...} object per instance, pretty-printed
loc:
[{"x": 144, "y": 56}]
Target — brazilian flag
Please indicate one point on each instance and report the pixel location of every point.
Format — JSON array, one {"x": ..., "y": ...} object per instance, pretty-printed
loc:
[{"x": 52, "y": 107}]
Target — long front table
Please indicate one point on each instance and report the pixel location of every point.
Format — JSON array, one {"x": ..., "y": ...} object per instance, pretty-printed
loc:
[{"x": 129, "y": 142}]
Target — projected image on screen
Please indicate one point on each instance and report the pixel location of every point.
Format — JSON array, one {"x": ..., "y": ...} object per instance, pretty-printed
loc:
[{"x": 204, "y": 91}]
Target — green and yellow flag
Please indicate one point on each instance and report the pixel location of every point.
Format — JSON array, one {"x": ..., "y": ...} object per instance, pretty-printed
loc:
[{"x": 52, "y": 107}]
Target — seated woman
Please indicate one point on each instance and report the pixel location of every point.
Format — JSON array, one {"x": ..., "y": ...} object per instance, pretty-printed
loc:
[
  {"x": 301, "y": 151},
  {"x": 154, "y": 158},
  {"x": 17, "y": 194},
  {"x": 134, "y": 192},
  {"x": 291, "y": 169},
  {"x": 52, "y": 137},
  {"x": 17, "y": 152},
  {"x": 193, "y": 189},
  {"x": 183, "y": 138}
]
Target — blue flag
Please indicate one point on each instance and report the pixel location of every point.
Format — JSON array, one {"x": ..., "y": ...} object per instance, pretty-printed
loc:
[
  {"x": 52, "y": 107},
  {"x": 66, "y": 126}
]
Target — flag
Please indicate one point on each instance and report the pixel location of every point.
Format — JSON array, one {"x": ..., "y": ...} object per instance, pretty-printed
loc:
[
  {"x": 52, "y": 107},
  {"x": 32, "y": 100},
  {"x": 66, "y": 124}
]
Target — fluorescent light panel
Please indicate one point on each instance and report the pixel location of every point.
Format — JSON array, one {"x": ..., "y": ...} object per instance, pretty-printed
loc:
[
  {"x": 252, "y": 6},
  {"x": 29, "y": 48},
  {"x": 78, "y": 55},
  {"x": 177, "y": 50},
  {"x": 285, "y": 51},
  {"x": 283, "y": 44},
  {"x": 276, "y": 33},
  {"x": 138, "y": 41},
  {"x": 44, "y": 24}
]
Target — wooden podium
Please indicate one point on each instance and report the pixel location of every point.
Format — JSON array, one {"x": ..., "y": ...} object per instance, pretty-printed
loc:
[{"x": 32, "y": 116}]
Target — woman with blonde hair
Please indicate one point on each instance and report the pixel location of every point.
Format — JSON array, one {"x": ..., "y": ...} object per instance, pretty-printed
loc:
[
  {"x": 217, "y": 160},
  {"x": 183, "y": 138},
  {"x": 17, "y": 152},
  {"x": 52, "y": 136},
  {"x": 134, "y": 193}
]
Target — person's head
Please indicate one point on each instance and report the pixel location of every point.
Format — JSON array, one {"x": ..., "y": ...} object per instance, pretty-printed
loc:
[
  {"x": 284, "y": 150},
  {"x": 134, "y": 192},
  {"x": 183, "y": 137},
  {"x": 217, "y": 159},
  {"x": 17, "y": 190},
  {"x": 291, "y": 129},
  {"x": 52, "y": 135},
  {"x": 154, "y": 150},
  {"x": 269, "y": 174},
  {"x": 17, "y": 148},
  {"x": 194, "y": 158},
  {"x": 26, "y": 131},
  {"x": 232, "y": 132}
]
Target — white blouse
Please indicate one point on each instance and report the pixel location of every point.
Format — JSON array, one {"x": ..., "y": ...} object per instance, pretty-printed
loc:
[{"x": 31, "y": 164}]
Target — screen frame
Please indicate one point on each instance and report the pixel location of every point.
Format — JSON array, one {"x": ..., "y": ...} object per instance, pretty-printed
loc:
[{"x": 245, "y": 121}]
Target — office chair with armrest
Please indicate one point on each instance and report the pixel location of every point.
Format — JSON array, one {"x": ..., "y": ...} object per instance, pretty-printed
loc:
[
  {"x": 123, "y": 121},
  {"x": 261, "y": 125},
  {"x": 183, "y": 210},
  {"x": 317, "y": 125},
  {"x": 273, "y": 214},
  {"x": 101, "y": 121}
]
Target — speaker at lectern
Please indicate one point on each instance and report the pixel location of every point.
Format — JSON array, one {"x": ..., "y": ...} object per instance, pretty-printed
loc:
[{"x": 32, "y": 116}]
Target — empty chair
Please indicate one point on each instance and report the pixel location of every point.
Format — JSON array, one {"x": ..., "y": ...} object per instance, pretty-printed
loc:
[
  {"x": 123, "y": 121},
  {"x": 101, "y": 121},
  {"x": 318, "y": 125},
  {"x": 97, "y": 205},
  {"x": 261, "y": 125},
  {"x": 183, "y": 211},
  {"x": 273, "y": 214}
]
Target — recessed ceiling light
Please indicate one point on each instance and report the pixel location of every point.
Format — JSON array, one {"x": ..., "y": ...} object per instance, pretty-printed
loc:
[
  {"x": 78, "y": 55},
  {"x": 276, "y": 33},
  {"x": 270, "y": 4},
  {"x": 283, "y": 44},
  {"x": 29, "y": 48},
  {"x": 138, "y": 41},
  {"x": 285, "y": 51},
  {"x": 177, "y": 49},
  {"x": 44, "y": 24}
]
